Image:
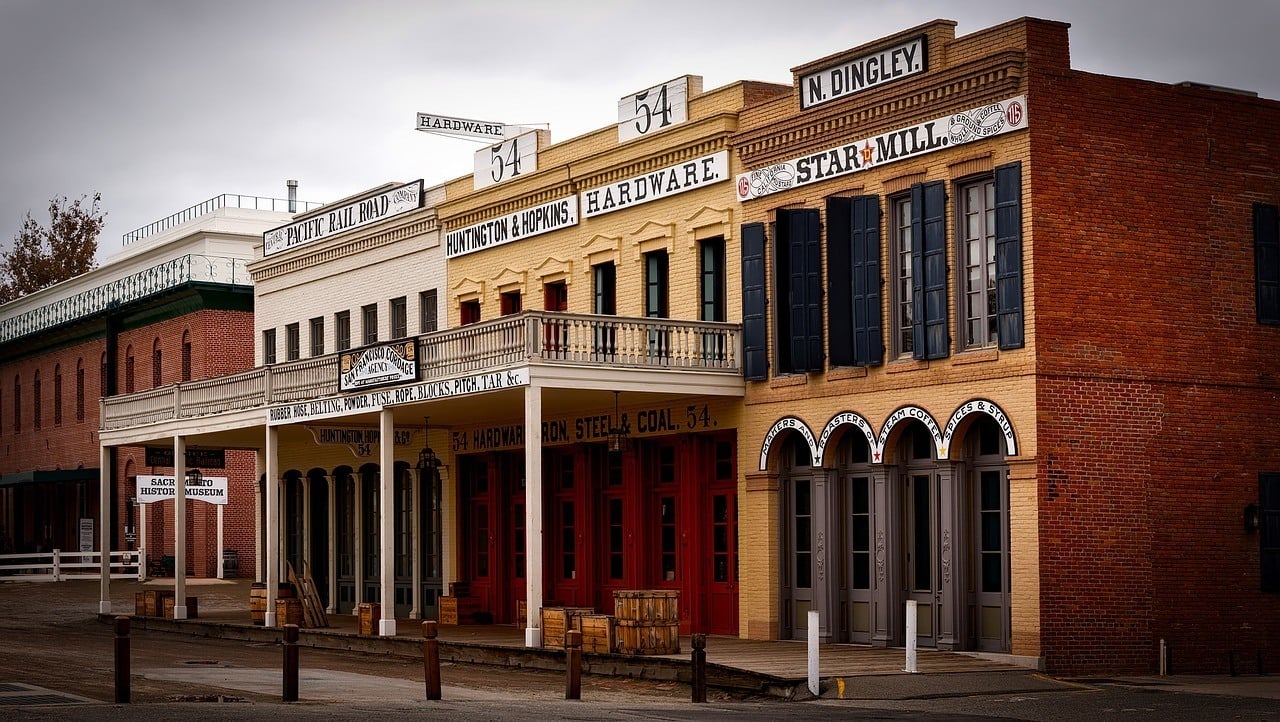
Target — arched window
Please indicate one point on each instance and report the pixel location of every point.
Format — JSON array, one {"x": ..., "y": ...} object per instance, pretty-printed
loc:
[
  {"x": 80, "y": 389},
  {"x": 102, "y": 376},
  {"x": 35, "y": 400},
  {"x": 186, "y": 355},
  {"x": 155, "y": 363},
  {"x": 57, "y": 394},
  {"x": 128, "y": 370},
  {"x": 17, "y": 403}
]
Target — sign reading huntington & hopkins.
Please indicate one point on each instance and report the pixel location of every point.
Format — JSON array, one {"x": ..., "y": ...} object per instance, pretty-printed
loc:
[
  {"x": 329, "y": 222},
  {"x": 381, "y": 365},
  {"x": 557, "y": 214}
]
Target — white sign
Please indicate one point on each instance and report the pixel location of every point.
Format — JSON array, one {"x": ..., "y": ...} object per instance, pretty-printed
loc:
[
  {"x": 361, "y": 440},
  {"x": 862, "y": 73},
  {"x": 652, "y": 110},
  {"x": 385, "y": 205},
  {"x": 965, "y": 127},
  {"x": 788, "y": 422},
  {"x": 506, "y": 160},
  {"x": 376, "y": 400},
  {"x": 86, "y": 535},
  {"x": 553, "y": 216},
  {"x": 659, "y": 184},
  {"x": 212, "y": 489},
  {"x": 392, "y": 363},
  {"x": 461, "y": 127}
]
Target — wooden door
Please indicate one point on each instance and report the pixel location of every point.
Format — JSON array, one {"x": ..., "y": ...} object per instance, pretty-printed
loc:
[{"x": 723, "y": 585}]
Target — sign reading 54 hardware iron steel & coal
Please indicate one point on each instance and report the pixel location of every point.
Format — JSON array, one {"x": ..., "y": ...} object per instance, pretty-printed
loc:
[
  {"x": 325, "y": 223},
  {"x": 366, "y": 368}
]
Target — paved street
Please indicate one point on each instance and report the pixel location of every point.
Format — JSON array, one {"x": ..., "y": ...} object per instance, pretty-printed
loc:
[{"x": 57, "y": 653}]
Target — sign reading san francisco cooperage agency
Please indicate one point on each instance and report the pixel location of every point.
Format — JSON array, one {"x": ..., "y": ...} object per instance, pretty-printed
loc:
[
  {"x": 392, "y": 363},
  {"x": 863, "y": 73},
  {"x": 326, "y": 223},
  {"x": 967, "y": 126}
]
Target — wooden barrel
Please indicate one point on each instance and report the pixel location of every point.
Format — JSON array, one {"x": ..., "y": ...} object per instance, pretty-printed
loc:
[{"x": 258, "y": 603}]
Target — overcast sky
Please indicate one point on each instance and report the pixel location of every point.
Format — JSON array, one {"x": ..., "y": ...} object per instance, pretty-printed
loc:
[{"x": 162, "y": 104}]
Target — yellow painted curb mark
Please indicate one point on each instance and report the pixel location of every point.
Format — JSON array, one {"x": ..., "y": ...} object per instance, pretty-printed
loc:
[{"x": 839, "y": 687}]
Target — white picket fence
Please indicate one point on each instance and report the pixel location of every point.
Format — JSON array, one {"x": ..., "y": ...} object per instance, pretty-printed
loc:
[{"x": 59, "y": 566}]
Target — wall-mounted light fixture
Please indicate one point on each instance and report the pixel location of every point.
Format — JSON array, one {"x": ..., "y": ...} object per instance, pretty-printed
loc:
[
  {"x": 427, "y": 459},
  {"x": 1252, "y": 517}
]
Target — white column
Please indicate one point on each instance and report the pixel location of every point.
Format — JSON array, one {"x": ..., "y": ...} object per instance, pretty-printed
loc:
[
  {"x": 259, "y": 517},
  {"x": 533, "y": 512},
  {"x": 282, "y": 526},
  {"x": 142, "y": 533},
  {"x": 179, "y": 528},
  {"x": 104, "y": 534},
  {"x": 333, "y": 545},
  {"x": 417, "y": 480},
  {"x": 221, "y": 570},
  {"x": 305, "y": 518},
  {"x": 386, "y": 512},
  {"x": 271, "y": 563},
  {"x": 357, "y": 525},
  {"x": 448, "y": 529}
]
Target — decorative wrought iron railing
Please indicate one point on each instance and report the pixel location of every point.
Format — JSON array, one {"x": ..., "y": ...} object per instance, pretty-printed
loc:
[
  {"x": 226, "y": 200},
  {"x": 529, "y": 337},
  {"x": 147, "y": 282}
]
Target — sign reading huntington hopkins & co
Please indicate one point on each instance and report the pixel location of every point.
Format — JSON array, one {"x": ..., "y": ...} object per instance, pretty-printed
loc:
[
  {"x": 966, "y": 126},
  {"x": 212, "y": 489},
  {"x": 373, "y": 366},
  {"x": 380, "y": 207},
  {"x": 552, "y": 216},
  {"x": 863, "y": 73}
]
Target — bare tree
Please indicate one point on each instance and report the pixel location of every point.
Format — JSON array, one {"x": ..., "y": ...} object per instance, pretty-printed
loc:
[{"x": 41, "y": 256}]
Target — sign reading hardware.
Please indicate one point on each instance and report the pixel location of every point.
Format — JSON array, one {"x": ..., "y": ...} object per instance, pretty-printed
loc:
[
  {"x": 212, "y": 489},
  {"x": 658, "y": 184},
  {"x": 557, "y": 214},
  {"x": 383, "y": 365},
  {"x": 863, "y": 72},
  {"x": 461, "y": 127},
  {"x": 329, "y": 222}
]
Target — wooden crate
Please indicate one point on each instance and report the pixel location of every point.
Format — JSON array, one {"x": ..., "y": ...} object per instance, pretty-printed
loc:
[
  {"x": 139, "y": 604},
  {"x": 289, "y": 611},
  {"x": 660, "y": 606},
  {"x": 522, "y": 614},
  {"x": 368, "y": 614},
  {"x": 558, "y": 620},
  {"x": 632, "y": 637},
  {"x": 597, "y": 632},
  {"x": 153, "y": 602},
  {"x": 193, "y": 611},
  {"x": 458, "y": 610}
]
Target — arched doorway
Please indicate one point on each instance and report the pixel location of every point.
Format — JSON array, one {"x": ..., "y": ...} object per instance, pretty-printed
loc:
[
  {"x": 920, "y": 539},
  {"x": 803, "y": 518},
  {"x": 987, "y": 483}
]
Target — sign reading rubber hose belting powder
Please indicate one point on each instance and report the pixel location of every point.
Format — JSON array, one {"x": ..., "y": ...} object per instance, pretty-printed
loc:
[
  {"x": 212, "y": 489},
  {"x": 967, "y": 126}
]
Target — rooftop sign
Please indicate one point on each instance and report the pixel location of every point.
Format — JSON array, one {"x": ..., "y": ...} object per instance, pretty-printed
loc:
[
  {"x": 462, "y": 127},
  {"x": 863, "y": 73},
  {"x": 355, "y": 214}
]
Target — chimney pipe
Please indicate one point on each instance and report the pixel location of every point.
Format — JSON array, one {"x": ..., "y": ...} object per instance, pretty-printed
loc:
[{"x": 293, "y": 195}]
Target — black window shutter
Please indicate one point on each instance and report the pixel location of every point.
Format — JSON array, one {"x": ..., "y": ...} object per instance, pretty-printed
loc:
[
  {"x": 1269, "y": 530},
  {"x": 1266, "y": 262},
  {"x": 864, "y": 251},
  {"x": 918, "y": 349},
  {"x": 841, "y": 310},
  {"x": 815, "y": 353},
  {"x": 929, "y": 272},
  {"x": 1009, "y": 255},
  {"x": 794, "y": 223},
  {"x": 754, "y": 333}
]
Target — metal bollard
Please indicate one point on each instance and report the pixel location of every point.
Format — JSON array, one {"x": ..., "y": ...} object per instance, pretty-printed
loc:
[
  {"x": 290, "y": 663},
  {"x": 573, "y": 664},
  {"x": 699, "y": 664},
  {"x": 431, "y": 659},
  {"x": 122, "y": 660}
]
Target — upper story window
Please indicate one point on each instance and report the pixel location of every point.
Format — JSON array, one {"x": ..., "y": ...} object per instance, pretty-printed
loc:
[
  {"x": 509, "y": 303},
  {"x": 469, "y": 312},
  {"x": 316, "y": 334},
  {"x": 656, "y": 266},
  {"x": 342, "y": 330},
  {"x": 268, "y": 346},
  {"x": 103, "y": 377},
  {"x": 17, "y": 404},
  {"x": 186, "y": 355},
  {"x": 128, "y": 370},
  {"x": 428, "y": 311},
  {"x": 976, "y": 245},
  {"x": 369, "y": 323},
  {"x": 1266, "y": 261},
  {"x": 292, "y": 342},
  {"x": 57, "y": 395},
  {"x": 156, "y": 364},
  {"x": 921, "y": 329},
  {"x": 604, "y": 288},
  {"x": 555, "y": 296},
  {"x": 399, "y": 317},
  {"x": 711, "y": 285},
  {"x": 36, "y": 400},
  {"x": 79, "y": 389},
  {"x": 903, "y": 277}
]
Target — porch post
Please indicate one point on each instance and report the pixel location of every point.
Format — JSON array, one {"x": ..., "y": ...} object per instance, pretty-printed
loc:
[
  {"x": 142, "y": 532},
  {"x": 533, "y": 512},
  {"x": 259, "y": 515},
  {"x": 222, "y": 572},
  {"x": 104, "y": 531},
  {"x": 333, "y": 545},
  {"x": 179, "y": 527},
  {"x": 386, "y": 512},
  {"x": 357, "y": 548},
  {"x": 271, "y": 561},
  {"x": 305, "y": 518},
  {"x": 449, "y": 529},
  {"x": 415, "y": 514}
]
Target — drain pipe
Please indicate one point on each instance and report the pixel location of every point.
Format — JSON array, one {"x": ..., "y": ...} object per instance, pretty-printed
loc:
[{"x": 1164, "y": 658}]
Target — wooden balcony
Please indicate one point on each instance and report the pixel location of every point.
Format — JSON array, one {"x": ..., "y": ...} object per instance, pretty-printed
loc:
[{"x": 529, "y": 338}]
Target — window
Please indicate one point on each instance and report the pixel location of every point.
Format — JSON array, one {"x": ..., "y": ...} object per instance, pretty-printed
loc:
[
  {"x": 57, "y": 395},
  {"x": 1269, "y": 530},
  {"x": 854, "y": 332},
  {"x": 656, "y": 266},
  {"x": 711, "y": 287},
  {"x": 102, "y": 376},
  {"x": 155, "y": 363},
  {"x": 976, "y": 245},
  {"x": 186, "y": 355},
  {"x": 920, "y": 327},
  {"x": 903, "y": 276},
  {"x": 605, "y": 280},
  {"x": 128, "y": 370},
  {"x": 399, "y": 318},
  {"x": 316, "y": 334},
  {"x": 1266, "y": 261},
  {"x": 80, "y": 390},
  {"x": 509, "y": 303},
  {"x": 469, "y": 312},
  {"x": 291, "y": 342},
  {"x": 798, "y": 297},
  {"x": 342, "y": 330},
  {"x": 17, "y": 404},
  {"x": 268, "y": 346},
  {"x": 369, "y": 323},
  {"x": 36, "y": 401},
  {"x": 428, "y": 311}
]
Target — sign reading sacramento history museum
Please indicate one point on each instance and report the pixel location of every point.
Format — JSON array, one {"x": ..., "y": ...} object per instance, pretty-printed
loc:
[{"x": 326, "y": 223}]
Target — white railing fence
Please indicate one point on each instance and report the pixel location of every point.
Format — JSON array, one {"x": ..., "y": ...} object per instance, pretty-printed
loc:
[{"x": 60, "y": 566}]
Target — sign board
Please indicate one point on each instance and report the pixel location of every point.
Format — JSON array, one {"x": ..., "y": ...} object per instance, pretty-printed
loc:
[
  {"x": 655, "y": 109},
  {"x": 376, "y": 400},
  {"x": 461, "y": 127},
  {"x": 373, "y": 366},
  {"x": 659, "y": 184},
  {"x": 967, "y": 126},
  {"x": 551, "y": 216},
  {"x": 211, "y": 489},
  {"x": 196, "y": 458},
  {"x": 332, "y": 221},
  {"x": 86, "y": 535},
  {"x": 361, "y": 440},
  {"x": 863, "y": 73},
  {"x": 506, "y": 160}
]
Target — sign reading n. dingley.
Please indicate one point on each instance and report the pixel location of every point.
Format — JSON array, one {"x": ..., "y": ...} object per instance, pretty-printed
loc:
[
  {"x": 863, "y": 73},
  {"x": 212, "y": 489},
  {"x": 391, "y": 363},
  {"x": 382, "y": 206}
]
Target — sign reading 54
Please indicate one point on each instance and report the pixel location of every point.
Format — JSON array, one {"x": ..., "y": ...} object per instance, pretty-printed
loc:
[
  {"x": 656, "y": 108},
  {"x": 506, "y": 160}
]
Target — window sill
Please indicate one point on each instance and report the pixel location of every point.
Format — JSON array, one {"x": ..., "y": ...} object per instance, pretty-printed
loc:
[
  {"x": 840, "y": 373},
  {"x": 905, "y": 366},
  {"x": 780, "y": 382},
  {"x": 977, "y": 356}
]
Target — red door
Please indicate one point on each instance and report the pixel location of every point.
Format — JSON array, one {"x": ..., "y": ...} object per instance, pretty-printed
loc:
[{"x": 721, "y": 518}]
